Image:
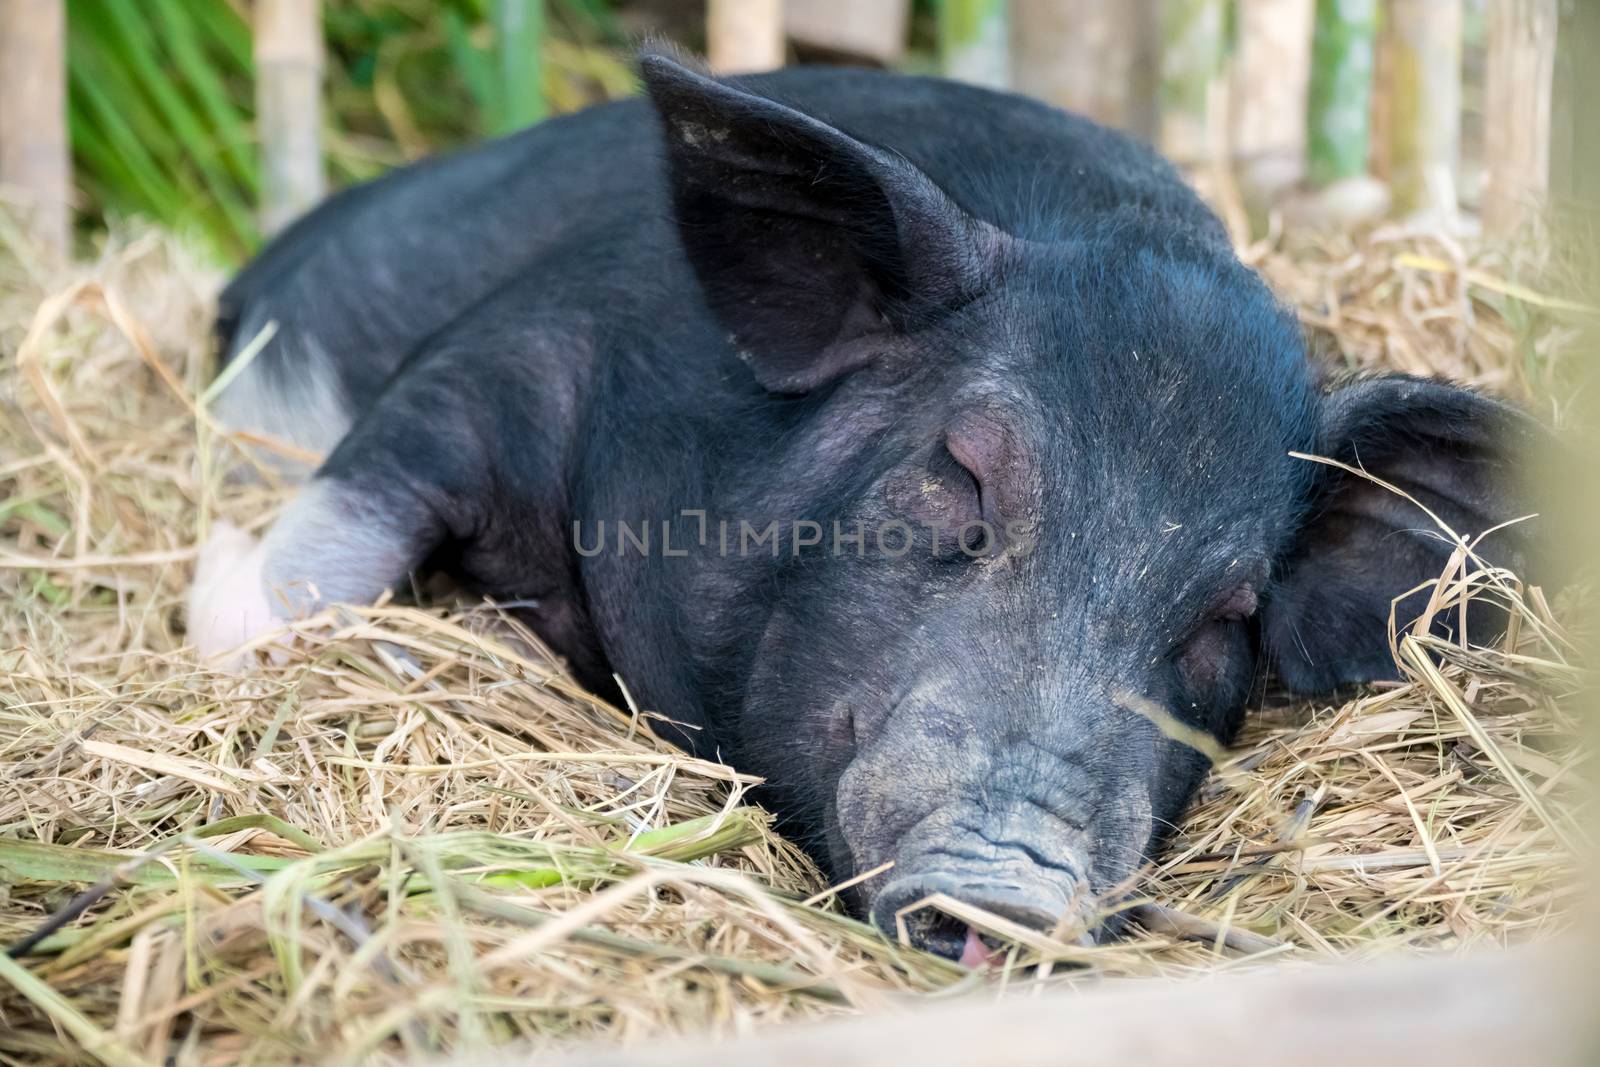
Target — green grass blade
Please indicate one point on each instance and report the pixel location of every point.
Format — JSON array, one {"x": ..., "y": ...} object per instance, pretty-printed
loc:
[
  {"x": 187, "y": 36},
  {"x": 143, "y": 55},
  {"x": 147, "y": 189},
  {"x": 36, "y": 861},
  {"x": 680, "y": 843},
  {"x": 474, "y": 67},
  {"x": 221, "y": 24},
  {"x": 261, "y": 821}
]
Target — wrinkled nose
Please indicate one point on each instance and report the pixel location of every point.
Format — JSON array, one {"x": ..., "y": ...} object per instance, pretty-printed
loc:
[{"x": 1037, "y": 906}]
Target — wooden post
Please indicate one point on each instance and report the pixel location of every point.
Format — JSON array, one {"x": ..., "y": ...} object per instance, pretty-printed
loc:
[
  {"x": 35, "y": 160},
  {"x": 288, "y": 52},
  {"x": 875, "y": 30},
  {"x": 1521, "y": 64},
  {"x": 1193, "y": 43},
  {"x": 1338, "y": 119},
  {"x": 975, "y": 41},
  {"x": 1144, "y": 104},
  {"x": 743, "y": 36},
  {"x": 1268, "y": 81},
  {"x": 1078, "y": 55},
  {"x": 1423, "y": 51},
  {"x": 1575, "y": 135}
]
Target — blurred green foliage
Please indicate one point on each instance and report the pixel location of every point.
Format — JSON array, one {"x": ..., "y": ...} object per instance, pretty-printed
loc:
[
  {"x": 161, "y": 94},
  {"x": 159, "y": 107}
]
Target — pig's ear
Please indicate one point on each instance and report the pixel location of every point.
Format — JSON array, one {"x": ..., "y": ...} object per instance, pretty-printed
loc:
[
  {"x": 1325, "y": 621},
  {"x": 812, "y": 247}
]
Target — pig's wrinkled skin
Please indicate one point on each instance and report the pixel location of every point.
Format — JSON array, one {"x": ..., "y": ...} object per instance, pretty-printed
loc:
[{"x": 966, "y": 306}]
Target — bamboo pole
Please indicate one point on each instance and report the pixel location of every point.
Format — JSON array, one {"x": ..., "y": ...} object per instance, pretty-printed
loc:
[
  {"x": 519, "y": 43},
  {"x": 1517, "y": 102},
  {"x": 288, "y": 53},
  {"x": 1422, "y": 43},
  {"x": 1079, "y": 55},
  {"x": 875, "y": 30},
  {"x": 1338, "y": 120},
  {"x": 1268, "y": 81},
  {"x": 743, "y": 36},
  {"x": 35, "y": 160},
  {"x": 1193, "y": 44},
  {"x": 975, "y": 41},
  {"x": 1144, "y": 105},
  {"x": 1575, "y": 135}
]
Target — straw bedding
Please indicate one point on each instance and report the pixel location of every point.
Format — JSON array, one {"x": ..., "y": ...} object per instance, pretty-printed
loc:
[{"x": 414, "y": 835}]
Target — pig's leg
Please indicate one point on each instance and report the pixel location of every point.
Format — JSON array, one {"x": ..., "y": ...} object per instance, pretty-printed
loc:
[
  {"x": 336, "y": 542},
  {"x": 459, "y": 461}
]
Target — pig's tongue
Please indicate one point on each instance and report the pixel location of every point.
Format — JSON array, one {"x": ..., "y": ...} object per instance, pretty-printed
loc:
[{"x": 974, "y": 953}]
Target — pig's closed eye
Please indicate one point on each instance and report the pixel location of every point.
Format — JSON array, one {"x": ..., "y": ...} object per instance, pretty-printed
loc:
[
  {"x": 962, "y": 490},
  {"x": 1204, "y": 656},
  {"x": 971, "y": 530},
  {"x": 942, "y": 494},
  {"x": 972, "y": 511}
]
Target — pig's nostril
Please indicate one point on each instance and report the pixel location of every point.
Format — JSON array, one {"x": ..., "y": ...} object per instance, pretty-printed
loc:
[
  {"x": 895, "y": 912},
  {"x": 935, "y": 932}
]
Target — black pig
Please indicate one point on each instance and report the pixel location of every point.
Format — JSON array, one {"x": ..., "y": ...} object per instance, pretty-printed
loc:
[{"x": 921, "y": 448}]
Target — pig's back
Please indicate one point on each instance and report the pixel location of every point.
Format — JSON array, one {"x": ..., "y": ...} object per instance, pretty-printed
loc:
[
  {"x": 358, "y": 283},
  {"x": 378, "y": 267}
]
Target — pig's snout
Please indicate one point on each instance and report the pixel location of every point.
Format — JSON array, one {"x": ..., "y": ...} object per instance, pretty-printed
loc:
[
  {"x": 1038, "y": 904},
  {"x": 1027, "y": 826}
]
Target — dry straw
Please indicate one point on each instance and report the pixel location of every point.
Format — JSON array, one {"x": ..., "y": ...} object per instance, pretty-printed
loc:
[{"x": 415, "y": 835}]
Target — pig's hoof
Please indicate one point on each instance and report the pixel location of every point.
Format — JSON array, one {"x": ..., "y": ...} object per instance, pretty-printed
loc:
[{"x": 228, "y": 604}]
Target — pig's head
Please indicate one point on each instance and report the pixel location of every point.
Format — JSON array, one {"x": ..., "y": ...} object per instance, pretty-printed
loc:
[{"x": 1069, "y": 448}]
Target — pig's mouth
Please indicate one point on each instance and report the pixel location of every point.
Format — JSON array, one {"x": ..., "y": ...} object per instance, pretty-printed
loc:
[
  {"x": 956, "y": 939},
  {"x": 952, "y": 938},
  {"x": 944, "y": 935},
  {"x": 952, "y": 914}
]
